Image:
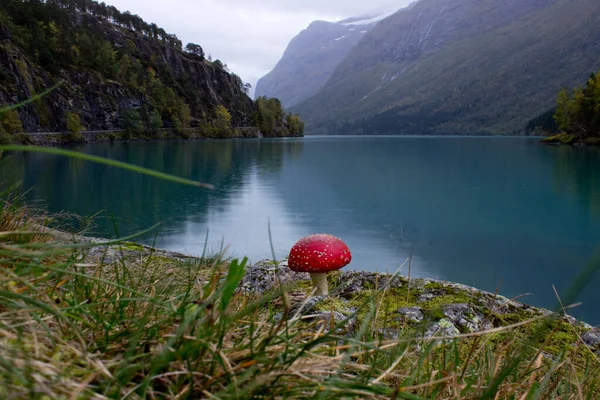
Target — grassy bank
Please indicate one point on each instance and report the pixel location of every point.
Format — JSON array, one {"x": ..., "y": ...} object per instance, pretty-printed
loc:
[{"x": 81, "y": 319}]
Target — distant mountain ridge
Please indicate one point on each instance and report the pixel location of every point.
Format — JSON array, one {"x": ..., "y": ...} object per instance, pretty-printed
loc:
[
  {"x": 311, "y": 58},
  {"x": 458, "y": 66}
]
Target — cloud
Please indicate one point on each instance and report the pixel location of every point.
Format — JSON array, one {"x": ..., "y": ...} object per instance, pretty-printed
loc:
[
  {"x": 248, "y": 35},
  {"x": 343, "y": 8}
]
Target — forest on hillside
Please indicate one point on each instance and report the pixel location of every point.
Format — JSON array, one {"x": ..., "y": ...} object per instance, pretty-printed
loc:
[{"x": 117, "y": 72}]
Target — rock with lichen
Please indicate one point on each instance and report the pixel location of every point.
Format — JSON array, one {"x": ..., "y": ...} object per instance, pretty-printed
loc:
[
  {"x": 409, "y": 307},
  {"x": 266, "y": 275}
]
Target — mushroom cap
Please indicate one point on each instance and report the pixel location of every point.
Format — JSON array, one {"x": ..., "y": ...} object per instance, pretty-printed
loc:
[{"x": 318, "y": 254}]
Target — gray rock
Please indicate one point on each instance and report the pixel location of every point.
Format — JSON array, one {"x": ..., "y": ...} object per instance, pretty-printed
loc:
[
  {"x": 358, "y": 280},
  {"x": 465, "y": 318},
  {"x": 424, "y": 297},
  {"x": 265, "y": 275},
  {"x": 591, "y": 338},
  {"x": 444, "y": 328},
  {"x": 330, "y": 317},
  {"x": 412, "y": 314},
  {"x": 307, "y": 306},
  {"x": 389, "y": 333},
  {"x": 353, "y": 287}
]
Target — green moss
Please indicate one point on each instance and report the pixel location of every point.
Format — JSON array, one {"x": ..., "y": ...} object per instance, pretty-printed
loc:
[
  {"x": 510, "y": 318},
  {"x": 305, "y": 286},
  {"x": 549, "y": 335},
  {"x": 435, "y": 286},
  {"x": 439, "y": 301},
  {"x": 396, "y": 298},
  {"x": 361, "y": 299},
  {"x": 445, "y": 295},
  {"x": 132, "y": 246},
  {"x": 563, "y": 338},
  {"x": 332, "y": 304},
  {"x": 445, "y": 324},
  {"x": 387, "y": 302},
  {"x": 435, "y": 314}
]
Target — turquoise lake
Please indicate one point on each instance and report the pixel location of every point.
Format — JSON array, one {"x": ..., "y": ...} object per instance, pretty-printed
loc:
[{"x": 507, "y": 214}]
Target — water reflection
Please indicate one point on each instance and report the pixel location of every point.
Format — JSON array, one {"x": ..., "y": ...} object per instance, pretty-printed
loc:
[
  {"x": 134, "y": 201},
  {"x": 481, "y": 211},
  {"x": 576, "y": 175}
]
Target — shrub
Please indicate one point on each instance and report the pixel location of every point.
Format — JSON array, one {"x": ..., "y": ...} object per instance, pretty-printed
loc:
[
  {"x": 177, "y": 124},
  {"x": 23, "y": 139},
  {"x": 5, "y": 138},
  {"x": 222, "y": 122},
  {"x": 295, "y": 125},
  {"x": 207, "y": 129},
  {"x": 132, "y": 123},
  {"x": 156, "y": 122},
  {"x": 74, "y": 123},
  {"x": 11, "y": 121}
]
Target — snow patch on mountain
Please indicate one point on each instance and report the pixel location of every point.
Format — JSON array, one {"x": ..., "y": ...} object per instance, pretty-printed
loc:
[{"x": 370, "y": 21}]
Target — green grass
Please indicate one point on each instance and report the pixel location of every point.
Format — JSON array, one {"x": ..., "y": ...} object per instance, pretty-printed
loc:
[
  {"x": 75, "y": 323},
  {"x": 120, "y": 320}
]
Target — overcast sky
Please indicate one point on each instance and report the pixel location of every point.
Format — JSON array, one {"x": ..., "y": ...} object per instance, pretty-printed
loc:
[{"x": 248, "y": 35}]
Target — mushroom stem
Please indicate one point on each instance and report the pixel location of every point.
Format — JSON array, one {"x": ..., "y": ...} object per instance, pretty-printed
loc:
[{"x": 319, "y": 280}]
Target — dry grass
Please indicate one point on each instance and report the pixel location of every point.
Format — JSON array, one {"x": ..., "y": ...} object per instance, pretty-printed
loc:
[{"x": 80, "y": 322}]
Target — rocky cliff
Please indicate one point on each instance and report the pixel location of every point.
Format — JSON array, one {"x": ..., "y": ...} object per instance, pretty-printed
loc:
[
  {"x": 102, "y": 103},
  {"x": 114, "y": 72}
]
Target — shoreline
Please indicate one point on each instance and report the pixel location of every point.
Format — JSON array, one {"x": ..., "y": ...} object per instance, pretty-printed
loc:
[
  {"x": 63, "y": 138},
  {"x": 85, "y": 310},
  {"x": 571, "y": 140},
  {"x": 430, "y": 306}
]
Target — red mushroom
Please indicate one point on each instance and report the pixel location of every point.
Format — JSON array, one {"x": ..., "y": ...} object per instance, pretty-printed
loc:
[{"x": 317, "y": 255}]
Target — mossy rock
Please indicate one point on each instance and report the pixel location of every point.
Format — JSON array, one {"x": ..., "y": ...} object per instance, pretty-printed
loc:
[{"x": 133, "y": 246}]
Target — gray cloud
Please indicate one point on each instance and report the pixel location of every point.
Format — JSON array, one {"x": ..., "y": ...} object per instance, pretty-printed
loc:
[
  {"x": 343, "y": 8},
  {"x": 248, "y": 35}
]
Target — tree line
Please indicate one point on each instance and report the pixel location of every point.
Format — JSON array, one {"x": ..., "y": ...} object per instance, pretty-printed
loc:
[
  {"x": 578, "y": 111},
  {"x": 274, "y": 122},
  {"x": 72, "y": 35}
]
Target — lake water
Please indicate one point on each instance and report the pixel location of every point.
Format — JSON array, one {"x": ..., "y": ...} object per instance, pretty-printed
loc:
[{"x": 504, "y": 213}]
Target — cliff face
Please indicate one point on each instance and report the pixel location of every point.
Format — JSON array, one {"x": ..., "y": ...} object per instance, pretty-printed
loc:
[
  {"x": 114, "y": 71},
  {"x": 101, "y": 101},
  {"x": 311, "y": 57}
]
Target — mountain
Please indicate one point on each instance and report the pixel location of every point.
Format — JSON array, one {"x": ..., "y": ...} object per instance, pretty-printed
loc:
[
  {"x": 114, "y": 71},
  {"x": 311, "y": 58},
  {"x": 459, "y": 67}
]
